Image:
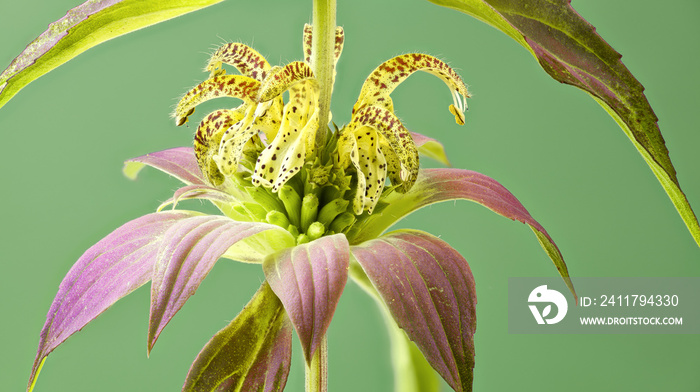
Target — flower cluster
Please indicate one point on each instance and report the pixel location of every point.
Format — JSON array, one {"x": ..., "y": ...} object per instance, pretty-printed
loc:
[
  {"x": 272, "y": 141},
  {"x": 310, "y": 213}
]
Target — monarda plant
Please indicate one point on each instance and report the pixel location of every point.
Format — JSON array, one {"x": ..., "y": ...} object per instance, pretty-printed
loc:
[{"x": 312, "y": 201}]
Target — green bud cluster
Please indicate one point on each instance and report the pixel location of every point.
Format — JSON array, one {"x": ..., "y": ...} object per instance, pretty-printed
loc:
[
  {"x": 310, "y": 205},
  {"x": 314, "y": 202}
]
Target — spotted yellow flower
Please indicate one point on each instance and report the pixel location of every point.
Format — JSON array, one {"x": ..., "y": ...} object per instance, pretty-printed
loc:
[
  {"x": 226, "y": 137},
  {"x": 375, "y": 141}
]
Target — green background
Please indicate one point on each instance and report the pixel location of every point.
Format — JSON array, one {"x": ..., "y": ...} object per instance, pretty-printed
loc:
[{"x": 65, "y": 136}]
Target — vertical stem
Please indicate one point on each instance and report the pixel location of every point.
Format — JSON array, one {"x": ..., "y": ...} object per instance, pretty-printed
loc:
[
  {"x": 323, "y": 65},
  {"x": 317, "y": 370},
  {"x": 322, "y": 60}
]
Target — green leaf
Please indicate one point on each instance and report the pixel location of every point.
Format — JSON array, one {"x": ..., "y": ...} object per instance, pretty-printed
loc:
[
  {"x": 412, "y": 372},
  {"x": 570, "y": 51},
  {"x": 430, "y": 148},
  {"x": 83, "y": 27},
  {"x": 255, "y": 248}
]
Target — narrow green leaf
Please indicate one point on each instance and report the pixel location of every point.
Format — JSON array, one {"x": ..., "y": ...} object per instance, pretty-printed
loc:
[
  {"x": 83, "y": 27},
  {"x": 570, "y": 51}
]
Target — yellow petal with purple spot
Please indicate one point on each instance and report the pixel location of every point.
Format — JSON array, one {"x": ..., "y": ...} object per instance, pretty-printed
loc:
[
  {"x": 339, "y": 43},
  {"x": 280, "y": 79},
  {"x": 398, "y": 139},
  {"x": 235, "y": 86},
  {"x": 308, "y": 38},
  {"x": 373, "y": 167},
  {"x": 207, "y": 139},
  {"x": 286, "y": 154},
  {"x": 247, "y": 61},
  {"x": 396, "y": 172},
  {"x": 385, "y": 78},
  {"x": 235, "y": 138}
]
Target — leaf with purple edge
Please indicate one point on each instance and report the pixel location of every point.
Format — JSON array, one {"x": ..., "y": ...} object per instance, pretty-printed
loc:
[
  {"x": 83, "y": 27},
  {"x": 430, "y": 147},
  {"x": 179, "y": 162},
  {"x": 203, "y": 192},
  {"x": 252, "y": 249},
  {"x": 252, "y": 353},
  {"x": 570, "y": 51},
  {"x": 189, "y": 251},
  {"x": 436, "y": 185},
  {"x": 430, "y": 292},
  {"x": 412, "y": 372},
  {"x": 309, "y": 280},
  {"x": 111, "y": 269}
]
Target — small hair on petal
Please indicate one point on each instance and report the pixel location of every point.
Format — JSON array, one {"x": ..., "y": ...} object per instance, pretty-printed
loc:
[
  {"x": 387, "y": 76},
  {"x": 247, "y": 61},
  {"x": 234, "y": 86}
]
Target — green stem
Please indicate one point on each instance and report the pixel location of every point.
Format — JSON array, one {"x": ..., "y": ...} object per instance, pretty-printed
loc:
[
  {"x": 317, "y": 370},
  {"x": 323, "y": 64},
  {"x": 323, "y": 61}
]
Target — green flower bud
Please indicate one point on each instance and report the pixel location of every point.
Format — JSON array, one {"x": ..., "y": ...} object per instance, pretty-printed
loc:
[
  {"x": 263, "y": 197},
  {"x": 302, "y": 239},
  {"x": 277, "y": 218},
  {"x": 316, "y": 230},
  {"x": 309, "y": 210},
  {"x": 292, "y": 203},
  {"x": 293, "y": 230},
  {"x": 343, "y": 222},
  {"x": 331, "y": 210}
]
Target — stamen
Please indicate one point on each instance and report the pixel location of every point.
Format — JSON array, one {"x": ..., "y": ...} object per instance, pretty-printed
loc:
[
  {"x": 455, "y": 100},
  {"x": 458, "y": 107}
]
